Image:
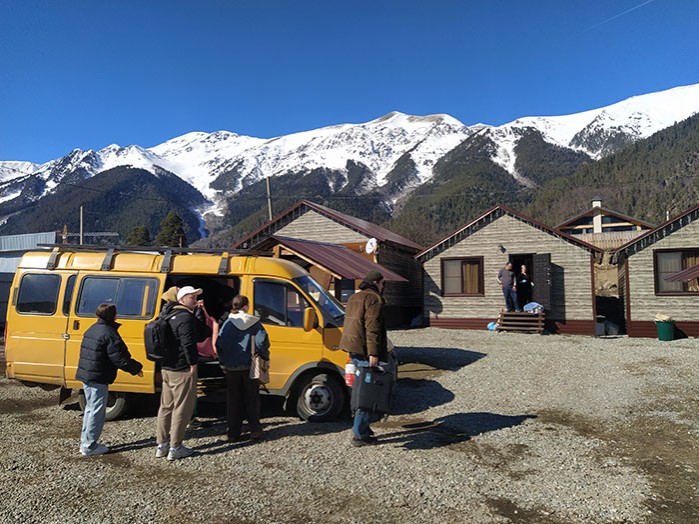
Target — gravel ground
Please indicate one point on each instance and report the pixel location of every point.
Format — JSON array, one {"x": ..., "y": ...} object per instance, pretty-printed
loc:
[{"x": 487, "y": 428}]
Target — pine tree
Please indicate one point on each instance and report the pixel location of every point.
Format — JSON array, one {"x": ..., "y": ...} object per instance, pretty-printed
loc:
[
  {"x": 139, "y": 236},
  {"x": 171, "y": 231}
]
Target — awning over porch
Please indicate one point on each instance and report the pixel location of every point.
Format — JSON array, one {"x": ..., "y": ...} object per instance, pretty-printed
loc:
[
  {"x": 337, "y": 260},
  {"x": 685, "y": 275}
]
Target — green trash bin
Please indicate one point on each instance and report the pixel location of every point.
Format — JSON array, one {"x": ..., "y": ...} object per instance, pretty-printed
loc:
[{"x": 666, "y": 329}]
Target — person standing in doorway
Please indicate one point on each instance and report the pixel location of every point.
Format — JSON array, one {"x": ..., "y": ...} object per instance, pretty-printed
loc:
[
  {"x": 102, "y": 353},
  {"x": 179, "y": 370},
  {"x": 524, "y": 287},
  {"x": 364, "y": 338},
  {"x": 506, "y": 279}
]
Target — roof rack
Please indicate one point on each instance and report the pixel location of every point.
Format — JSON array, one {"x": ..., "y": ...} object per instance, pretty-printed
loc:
[{"x": 110, "y": 251}]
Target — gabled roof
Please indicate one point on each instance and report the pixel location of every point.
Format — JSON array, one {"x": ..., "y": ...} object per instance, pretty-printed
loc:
[
  {"x": 490, "y": 216},
  {"x": 651, "y": 237},
  {"x": 337, "y": 260},
  {"x": 363, "y": 227},
  {"x": 605, "y": 211}
]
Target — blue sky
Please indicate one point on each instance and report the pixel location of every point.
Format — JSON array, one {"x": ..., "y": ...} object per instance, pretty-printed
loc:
[{"x": 88, "y": 73}]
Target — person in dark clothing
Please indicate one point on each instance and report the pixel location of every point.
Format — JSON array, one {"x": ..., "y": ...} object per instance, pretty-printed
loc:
[
  {"x": 234, "y": 347},
  {"x": 524, "y": 287},
  {"x": 102, "y": 353},
  {"x": 364, "y": 338},
  {"x": 179, "y": 371},
  {"x": 506, "y": 279}
]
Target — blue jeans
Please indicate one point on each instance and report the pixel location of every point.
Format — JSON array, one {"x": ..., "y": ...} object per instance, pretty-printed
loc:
[
  {"x": 511, "y": 303},
  {"x": 362, "y": 418},
  {"x": 95, "y": 414}
]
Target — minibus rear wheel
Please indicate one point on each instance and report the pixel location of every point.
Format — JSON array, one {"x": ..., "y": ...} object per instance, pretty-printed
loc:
[
  {"x": 320, "y": 397},
  {"x": 118, "y": 404}
]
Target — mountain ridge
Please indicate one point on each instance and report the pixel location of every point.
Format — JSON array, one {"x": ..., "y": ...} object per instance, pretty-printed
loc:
[{"x": 388, "y": 159}]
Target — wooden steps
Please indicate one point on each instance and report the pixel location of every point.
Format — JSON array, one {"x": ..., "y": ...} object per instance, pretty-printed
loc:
[{"x": 521, "y": 321}]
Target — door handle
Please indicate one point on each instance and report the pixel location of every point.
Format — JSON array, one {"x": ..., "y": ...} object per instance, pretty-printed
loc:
[
  {"x": 76, "y": 324},
  {"x": 66, "y": 336}
]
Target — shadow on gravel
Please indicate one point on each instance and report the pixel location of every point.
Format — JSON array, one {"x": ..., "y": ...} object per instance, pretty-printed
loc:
[
  {"x": 417, "y": 395},
  {"x": 446, "y": 359},
  {"x": 449, "y": 430}
]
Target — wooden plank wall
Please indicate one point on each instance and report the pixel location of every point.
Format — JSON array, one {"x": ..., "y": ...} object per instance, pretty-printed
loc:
[
  {"x": 314, "y": 226},
  {"x": 643, "y": 302}
]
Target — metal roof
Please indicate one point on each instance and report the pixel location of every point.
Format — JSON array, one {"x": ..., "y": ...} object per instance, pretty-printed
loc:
[
  {"x": 27, "y": 241},
  {"x": 685, "y": 275},
  {"x": 338, "y": 260}
]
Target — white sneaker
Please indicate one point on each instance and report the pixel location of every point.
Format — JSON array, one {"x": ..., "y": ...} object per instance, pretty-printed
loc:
[
  {"x": 179, "y": 452},
  {"x": 99, "y": 449},
  {"x": 162, "y": 450}
]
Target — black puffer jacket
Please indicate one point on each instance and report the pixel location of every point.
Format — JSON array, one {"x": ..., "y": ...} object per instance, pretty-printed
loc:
[
  {"x": 102, "y": 352},
  {"x": 188, "y": 328}
]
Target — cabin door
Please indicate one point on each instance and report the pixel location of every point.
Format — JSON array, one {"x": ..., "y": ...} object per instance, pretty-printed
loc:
[{"x": 541, "y": 276}]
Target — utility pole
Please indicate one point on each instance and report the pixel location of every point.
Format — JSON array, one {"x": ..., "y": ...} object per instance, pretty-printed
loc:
[
  {"x": 269, "y": 199},
  {"x": 81, "y": 225}
]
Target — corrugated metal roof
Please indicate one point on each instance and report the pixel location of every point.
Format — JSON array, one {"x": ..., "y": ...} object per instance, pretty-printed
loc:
[
  {"x": 685, "y": 275},
  {"x": 27, "y": 241},
  {"x": 336, "y": 259}
]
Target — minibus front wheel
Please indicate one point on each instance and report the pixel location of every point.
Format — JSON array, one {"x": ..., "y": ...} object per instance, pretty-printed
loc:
[
  {"x": 320, "y": 397},
  {"x": 118, "y": 404}
]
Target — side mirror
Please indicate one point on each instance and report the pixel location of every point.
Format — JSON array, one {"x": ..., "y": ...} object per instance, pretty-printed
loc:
[{"x": 309, "y": 319}]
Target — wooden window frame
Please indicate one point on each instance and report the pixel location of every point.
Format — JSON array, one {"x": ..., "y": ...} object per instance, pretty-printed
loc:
[{"x": 481, "y": 276}]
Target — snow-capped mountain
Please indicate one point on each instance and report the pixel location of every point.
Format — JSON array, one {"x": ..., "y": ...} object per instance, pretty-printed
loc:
[{"x": 220, "y": 164}]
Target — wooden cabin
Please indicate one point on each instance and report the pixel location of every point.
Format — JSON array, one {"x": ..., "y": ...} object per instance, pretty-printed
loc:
[
  {"x": 392, "y": 254},
  {"x": 644, "y": 267},
  {"x": 460, "y": 286}
]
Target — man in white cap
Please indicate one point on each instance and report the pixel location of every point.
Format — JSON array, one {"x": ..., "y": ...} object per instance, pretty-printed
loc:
[{"x": 179, "y": 370}]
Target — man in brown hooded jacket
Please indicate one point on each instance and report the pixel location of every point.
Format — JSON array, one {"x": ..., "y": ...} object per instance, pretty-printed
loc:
[{"x": 364, "y": 338}]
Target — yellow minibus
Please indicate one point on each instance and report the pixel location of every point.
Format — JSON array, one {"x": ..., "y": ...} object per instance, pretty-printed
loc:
[{"x": 55, "y": 293}]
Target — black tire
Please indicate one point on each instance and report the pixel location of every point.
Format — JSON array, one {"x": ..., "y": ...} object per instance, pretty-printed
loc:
[
  {"x": 320, "y": 398},
  {"x": 118, "y": 404}
]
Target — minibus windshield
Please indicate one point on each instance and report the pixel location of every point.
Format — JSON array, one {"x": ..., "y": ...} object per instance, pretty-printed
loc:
[{"x": 325, "y": 301}]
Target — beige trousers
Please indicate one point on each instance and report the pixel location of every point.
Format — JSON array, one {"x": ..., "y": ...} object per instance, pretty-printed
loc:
[{"x": 177, "y": 401}]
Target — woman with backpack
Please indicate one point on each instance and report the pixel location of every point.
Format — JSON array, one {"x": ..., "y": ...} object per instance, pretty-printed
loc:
[
  {"x": 102, "y": 353},
  {"x": 239, "y": 335}
]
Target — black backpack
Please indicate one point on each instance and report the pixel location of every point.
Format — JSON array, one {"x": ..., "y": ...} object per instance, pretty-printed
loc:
[{"x": 158, "y": 337}]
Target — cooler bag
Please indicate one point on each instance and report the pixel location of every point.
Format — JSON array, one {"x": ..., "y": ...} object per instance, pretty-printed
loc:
[{"x": 372, "y": 390}]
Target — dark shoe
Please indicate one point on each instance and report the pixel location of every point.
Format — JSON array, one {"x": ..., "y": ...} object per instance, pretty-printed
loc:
[
  {"x": 257, "y": 435},
  {"x": 195, "y": 423},
  {"x": 368, "y": 441}
]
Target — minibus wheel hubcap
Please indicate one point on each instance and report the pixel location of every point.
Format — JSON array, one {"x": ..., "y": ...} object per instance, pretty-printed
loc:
[{"x": 318, "y": 398}]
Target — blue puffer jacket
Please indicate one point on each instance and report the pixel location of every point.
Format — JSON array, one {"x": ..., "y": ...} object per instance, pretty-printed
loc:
[
  {"x": 102, "y": 352},
  {"x": 235, "y": 338}
]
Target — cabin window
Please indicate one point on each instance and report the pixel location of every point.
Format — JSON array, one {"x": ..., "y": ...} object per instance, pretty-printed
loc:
[
  {"x": 462, "y": 276},
  {"x": 38, "y": 294},
  {"x": 670, "y": 262}
]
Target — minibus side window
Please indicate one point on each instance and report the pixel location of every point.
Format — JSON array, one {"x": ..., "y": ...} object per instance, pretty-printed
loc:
[
  {"x": 38, "y": 294},
  {"x": 279, "y": 304},
  {"x": 96, "y": 291},
  {"x": 134, "y": 297}
]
